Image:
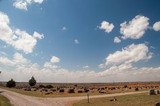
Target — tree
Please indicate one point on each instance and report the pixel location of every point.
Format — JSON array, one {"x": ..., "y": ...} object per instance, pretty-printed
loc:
[
  {"x": 11, "y": 83},
  {"x": 32, "y": 81}
]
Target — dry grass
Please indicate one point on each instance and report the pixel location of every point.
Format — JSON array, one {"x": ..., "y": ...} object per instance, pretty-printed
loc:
[
  {"x": 127, "y": 100},
  {"x": 54, "y": 94},
  {"x": 4, "y": 101}
]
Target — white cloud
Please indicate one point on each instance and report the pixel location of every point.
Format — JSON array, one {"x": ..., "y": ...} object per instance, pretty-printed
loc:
[
  {"x": 117, "y": 40},
  {"x": 5, "y": 61},
  {"x": 5, "y": 30},
  {"x": 124, "y": 72},
  {"x": 17, "y": 38},
  {"x": 17, "y": 59},
  {"x": 106, "y": 26},
  {"x": 50, "y": 65},
  {"x": 23, "y": 4},
  {"x": 37, "y": 1},
  {"x": 24, "y": 41},
  {"x": 37, "y": 35},
  {"x": 135, "y": 28},
  {"x": 76, "y": 41},
  {"x": 101, "y": 65},
  {"x": 55, "y": 59},
  {"x": 156, "y": 26},
  {"x": 86, "y": 67},
  {"x": 129, "y": 54},
  {"x": 50, "y": 73},
  {"x": 20, "y": 4}
]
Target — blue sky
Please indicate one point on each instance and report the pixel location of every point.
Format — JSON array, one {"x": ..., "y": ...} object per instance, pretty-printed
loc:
[{"x": 82, "y": 21}]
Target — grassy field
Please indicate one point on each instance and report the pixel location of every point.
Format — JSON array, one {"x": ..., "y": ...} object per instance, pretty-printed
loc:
[
  {"x": 128, "y": 100},
  {"x": 40, "y": 94},
  {"x": 4, "y": 101},
  {"x": 55, "y": 94}
]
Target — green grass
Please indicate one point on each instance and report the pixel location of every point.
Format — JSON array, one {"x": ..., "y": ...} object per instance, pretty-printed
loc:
[
  {"x": 4, "y": 101},
  {"x": 127, "y": 100}
]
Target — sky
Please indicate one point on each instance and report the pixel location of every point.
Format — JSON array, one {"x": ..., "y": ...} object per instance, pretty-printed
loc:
[{"x": 80, "y": 41}]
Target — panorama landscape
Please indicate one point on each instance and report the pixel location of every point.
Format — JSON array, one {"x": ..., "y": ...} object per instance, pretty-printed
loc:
[{"x": 79, "y": 52}]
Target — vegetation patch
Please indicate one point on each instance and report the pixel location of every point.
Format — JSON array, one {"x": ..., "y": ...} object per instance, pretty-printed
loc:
[
  {"x": 127, "y": 100},
  {"x": 4, "y": 101}
]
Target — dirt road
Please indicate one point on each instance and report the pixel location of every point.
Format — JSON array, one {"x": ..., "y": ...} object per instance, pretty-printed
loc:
[{"x": 23, "y": 100}]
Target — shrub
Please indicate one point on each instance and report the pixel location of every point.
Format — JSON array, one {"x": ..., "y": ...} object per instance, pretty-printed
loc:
[
  {"x": 125, "y": 86},
  {"x": 53, "y": 90},
  {"x": 152, "y": 92},
  {"x": 32, "y": 81},
  {"x": 61, "y": 90},
  {"x": 45, "y": 90},
  {"x": 71, "y": 91},
  {"x": 41, "y": 86},
  {"x": 11, "y": 83},
  {"x": 86, "y": 90},
  {"x": 49, "y": 86},
  {"x": 27, "y": 89},
  {"x": 136, "y": 89},
  {"x": 80, "y": 91}
]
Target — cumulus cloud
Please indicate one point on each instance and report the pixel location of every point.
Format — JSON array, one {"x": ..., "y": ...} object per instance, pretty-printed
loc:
[
  {"x": 37, "y": 35},
  {"x": 17, "y": 38},
  {"x": 106, "y": 26},
  {"x": 86, "y": 67},
  {"x": 55, "y": 59},
  {"x": 24, "y": 69},
  {"x": 129, "y": 54},
  {"x": 76, "y": 41},
  {"x": 23, "y": 4},
  {"x": 17, "y": 59},
  {"x": 24, "y": 41},
  {"x": 124, "y": 72},
  {"x": 135, "y": 28},
  {"x": 156, "y": 26},
  {"x": 51, "y": 64},
  {"x": 117, "y": 40}
]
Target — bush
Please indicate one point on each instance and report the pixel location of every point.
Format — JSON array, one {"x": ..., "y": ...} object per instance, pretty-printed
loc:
[
  {"x": 53, "y": 90},
  {"x": 71, "y": 91},
  {"x": 152, "y": 92},
  {"x": 61, "y": 90},
  {"x": 41, "y": 86},
  {"x": 49, "y": 86},
  {"x": 125, "y": 86},
  {"x": 80, "y": 91},
  {"x": 136, "y": 89},
  {"x": 32, "y": 81},
  {"x": 27, "y": 89},
  {"x": 11, "y": 83},
  {"x": 86, "y": 90}
]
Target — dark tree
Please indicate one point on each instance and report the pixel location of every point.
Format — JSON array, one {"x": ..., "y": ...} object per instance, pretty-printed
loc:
[
  {"x": 11, "y": 83},
  {"x": 32, "y": 81}
]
